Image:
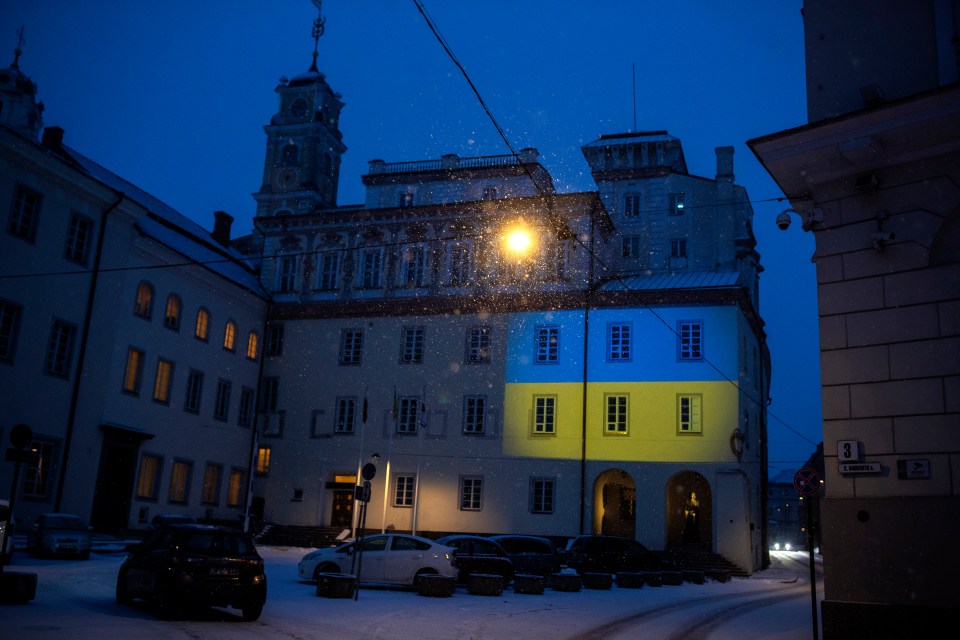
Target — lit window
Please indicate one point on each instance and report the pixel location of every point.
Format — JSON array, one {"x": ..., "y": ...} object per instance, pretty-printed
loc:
[
  {"x": 171, "y": 313},
  {"x": 161, "y": 385},
  {"x": 235, "y": 493},
  {"x": 202, "y": 329},
  {"x": 148, "y": 483},
  {"x": 180, "y": 481},
  {"x": 143, "y": 305},
  {"x": 263, "y": 460},
  {"x": 474, "y": 414},
  {"x": 617, "y": 416},
  {"x": 471, "y": 493},
  {"x": 689, "y": 413},
  {"x": 403, "y": 496},
  {"x": 544, "y": 414},
  {"x": 230, "y": 335},
  {"x": 24, "y": 213},
  {"x": 210, "y": 492},
  {"x": 676, "y": 204},
  {"x": 252, "y": 344},
  {"x": 79, "y": 236}
]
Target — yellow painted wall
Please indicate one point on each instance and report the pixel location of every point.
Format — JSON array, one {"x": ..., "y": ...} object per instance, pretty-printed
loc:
[{"x": 652, "y": 415}]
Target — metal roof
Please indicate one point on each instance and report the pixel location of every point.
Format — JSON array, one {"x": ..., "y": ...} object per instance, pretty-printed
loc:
[{"x": 681, "y": 280}]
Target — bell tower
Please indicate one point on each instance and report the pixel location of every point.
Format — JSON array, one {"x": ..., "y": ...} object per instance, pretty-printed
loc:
[
  {"x": 19, "y": 108},
  {"x": 304, "y": 143}
]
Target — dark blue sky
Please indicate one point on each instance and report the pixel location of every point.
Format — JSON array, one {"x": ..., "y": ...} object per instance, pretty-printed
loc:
[{"x": 173, "y": 96}]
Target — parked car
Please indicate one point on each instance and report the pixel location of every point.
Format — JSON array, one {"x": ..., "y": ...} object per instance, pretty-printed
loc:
[
  {"x": 531, "y": 554},
  {"x": 476, "y": 554},
  {"x": 7, "y": 527},
  {"x": 390, "y": 558},
  {"x": 610, "y": 554},
  {"x": 190, "y": 565},
  {"x": 59, "y": 535},
  {"x": 162, "y": 519}
]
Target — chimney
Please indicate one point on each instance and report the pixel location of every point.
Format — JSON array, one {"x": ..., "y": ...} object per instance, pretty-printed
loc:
[
  {"x": 724, "y": 163},
  {"x": 221, "y": 227},
  {"x": 53, "y": 138}
]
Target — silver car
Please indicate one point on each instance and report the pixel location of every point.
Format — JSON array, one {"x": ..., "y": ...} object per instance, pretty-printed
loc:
[
  {"x": 59, "y": 534},
  {"x": 392, "y": 558}
]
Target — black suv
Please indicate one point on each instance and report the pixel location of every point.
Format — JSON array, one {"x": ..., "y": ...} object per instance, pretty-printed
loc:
[
  {"x": 610, "y": 554},
  {"x": 191, "y": 565}
]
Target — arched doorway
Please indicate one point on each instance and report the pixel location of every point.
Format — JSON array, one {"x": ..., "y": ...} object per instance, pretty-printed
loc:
[
  {"x": 615, "y": 504},
  {"x": 689, "y": 507}
]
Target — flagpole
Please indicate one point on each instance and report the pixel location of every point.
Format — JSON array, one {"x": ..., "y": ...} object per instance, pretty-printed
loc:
[
  {"x": 386, "y": 480},
  {"x": 422, "y": 422},
  {"x": 363, "y": 429}
]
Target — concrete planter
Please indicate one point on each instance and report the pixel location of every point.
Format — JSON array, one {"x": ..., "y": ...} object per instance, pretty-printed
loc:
[
  {"x": 597, "y": 580},
  {"x": 436, "y": 586},
  {"x": 565, "y": 582},
  {"x": 485, "y": 584},
  {"x": 336, "y": 585},
  {"x": 528, "y": 583},
  {"x": 672, "y": 577},
  {"x": 694, "y": 576},
  {"x": 653, "y": 578},
  {"x": 17, "y": 587},
  {"x": 630, "y": 579}
]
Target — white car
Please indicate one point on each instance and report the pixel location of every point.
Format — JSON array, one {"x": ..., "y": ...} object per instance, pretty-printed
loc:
[{"x": 391, "y": 558}]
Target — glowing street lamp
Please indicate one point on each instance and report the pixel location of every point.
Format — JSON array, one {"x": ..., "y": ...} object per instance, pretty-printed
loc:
[{"x": 518, "y": 240}]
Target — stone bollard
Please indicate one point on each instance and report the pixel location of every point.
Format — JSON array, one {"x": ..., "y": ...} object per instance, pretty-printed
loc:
[
  {"x": 672, "y": 577},
  {"x": 565, "y": 582},
  {"x": 653, "y": 578},
  {"x": 693, "y": 575},
  {"x": 485, "y": 584},
  {"x": 528, "y": 583},
  {"x": 630, "y": 579},
  {"x": 336, "y": 585},
  {"x": 597, "y": 580},
  {"x": 436, "y": 586}
]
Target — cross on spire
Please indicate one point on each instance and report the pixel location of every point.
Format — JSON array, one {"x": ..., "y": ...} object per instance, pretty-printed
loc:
[
  {"x": 20, "y": 42},
  {"x": 318, "y": 27}
]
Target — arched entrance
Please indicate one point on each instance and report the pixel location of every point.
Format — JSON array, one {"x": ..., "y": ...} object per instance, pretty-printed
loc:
[
  {"x": 689, "y": 507},
  {"x": 615, "y": 504}
]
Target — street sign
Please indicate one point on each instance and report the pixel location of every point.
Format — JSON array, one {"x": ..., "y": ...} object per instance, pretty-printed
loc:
[
  {"x": 807, "y": 481},
  {"x": 848, "y": 450},
  {"x": 913, "y": 469},
  {"x": 860, "y": 467},
  {"x": 362, "y": 493}
]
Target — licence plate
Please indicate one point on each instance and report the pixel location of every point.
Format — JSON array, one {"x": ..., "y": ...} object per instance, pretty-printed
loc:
[{"x": 224, "y": 571}]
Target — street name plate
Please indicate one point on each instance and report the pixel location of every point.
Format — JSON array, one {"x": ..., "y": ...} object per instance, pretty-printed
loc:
[{"x": 860, "y": 467}]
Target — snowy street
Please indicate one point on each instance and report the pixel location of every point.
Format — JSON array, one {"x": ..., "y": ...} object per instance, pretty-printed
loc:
[{"x": 75, "y": 599}]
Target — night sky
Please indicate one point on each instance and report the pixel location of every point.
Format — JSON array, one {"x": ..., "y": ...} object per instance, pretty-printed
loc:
[{"x": 173, "y": 96}]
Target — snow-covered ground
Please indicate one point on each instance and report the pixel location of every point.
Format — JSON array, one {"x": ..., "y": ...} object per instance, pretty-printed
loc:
[{"x": 75, "y": 600}]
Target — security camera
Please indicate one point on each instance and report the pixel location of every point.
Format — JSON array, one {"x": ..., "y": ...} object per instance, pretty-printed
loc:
[{"x": 783, "y": 221}]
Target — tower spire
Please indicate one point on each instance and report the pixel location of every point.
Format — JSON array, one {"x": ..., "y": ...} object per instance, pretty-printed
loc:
[
  {"x": 318, "y": 26},
  {"x": 16, "y": 52}
]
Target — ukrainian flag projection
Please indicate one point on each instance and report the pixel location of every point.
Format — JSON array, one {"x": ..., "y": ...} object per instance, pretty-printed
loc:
[{"x": 651, "y": 381}]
